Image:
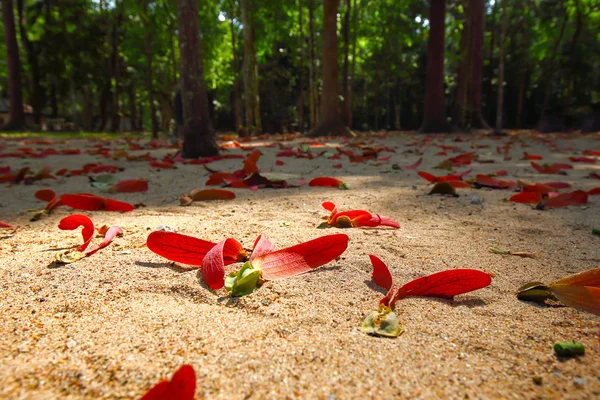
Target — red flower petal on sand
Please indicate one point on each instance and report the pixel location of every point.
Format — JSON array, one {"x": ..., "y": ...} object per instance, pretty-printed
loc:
[
  {"x": 588, "y": 160},
  {"x": 218, "y": 178},
  {"x": 594, "y": 191},
  {"x": 83, "y": 201},
  {"x": 538, "y": 188},
  {"x": 213, "y": 265},
  {"x": 445, "y": 284},
  {"x": 73, "y": 222},
  {"x": 329, "y": 206},
  {"x": 110, "y": 234},
  {"x": 326, "y": 181},
  {"x": 527, "y": 197},
  {"x": 116, "y": 205},
  {"x": 179, "y": 248},
  {"x": 279, "y": 163},
  {"x": 130, "y": 186},
  {"x": 594, "y": 175},
  {"x": 262, "y": 246},
  {"x": 250, "y": 166},
  {"x": 301, "y": 258},
  {"x": 6, "y": 225},
  {"x": 527, "y": 156},
  {"x": 559, "y": 185},
  {"x": 427, "y": 176},
  {"x": 488, "y": 181},
  {"x": 46, "y": 195},
  {"x": 459, "y": 184},
  {"x": 413, "y": 166},
  {"x": 501, "y": 172},
  {"x": 563, "y": 200},
  {"x": 181, "y": 387},
  {"x": 373, "y": 220},
  {"x": 381, "y": 273}
]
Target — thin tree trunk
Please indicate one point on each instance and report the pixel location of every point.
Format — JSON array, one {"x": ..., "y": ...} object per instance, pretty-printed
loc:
[
  {"x": 301, "y": 70},
  {"x": 462, "y": 80},
  {"x": 330, "y": 122},
  {"x": 237, "y": 104},
  {"x": 199, "y": 139},
  {"x": 551, "y": 61},
  {"x": 434, "y": 118},
  {"x": 346, "y": 66},
  {"x": 311, "y": 65},
  {"x": 477, "y": 14},
  {"x": 132, "y": 109},
  {"x": 149, "y": 58},
  {"x": 250, "y": 70},
  {"x": 523, "y": 73},
  {"x": 115, "y": 109},
  {"x": 36, "y": 87},
  {"x": 500, "y": 104},
  {"x": 17, "y": 116},
  {"x": 351, "y": 81}
]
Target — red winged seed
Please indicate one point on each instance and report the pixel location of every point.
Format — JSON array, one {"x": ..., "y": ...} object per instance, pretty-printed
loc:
[{"x": 301, "y": 258}]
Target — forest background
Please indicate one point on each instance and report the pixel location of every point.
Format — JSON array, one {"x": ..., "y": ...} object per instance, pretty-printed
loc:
[{"x": 99, "y": 63}]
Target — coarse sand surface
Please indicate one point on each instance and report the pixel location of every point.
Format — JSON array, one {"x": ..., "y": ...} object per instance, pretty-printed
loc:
[{"x": 112, "y": 325}]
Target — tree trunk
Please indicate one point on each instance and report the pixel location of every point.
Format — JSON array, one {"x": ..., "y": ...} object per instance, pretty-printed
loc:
[
  {"x": 552, "y": 59},
  {"x": 523, "y": 73},
  {"x": 115, "y": 109},
  {"x": 36, "y": 87},
  {"x": 500, "y": 104},
  {"x": 477, "y": 15},
  {"x": 462, "y": 79},
  {"x": 301, "y": 70},
  {"x": 311, "y": 65},
  {"x": 149, "y": 58},
  {"x": 346, "y": 105},
  {"x": 17, "y": 116},
  {"x": 253, "y": 121},
  {"x": 330, "y": 122},
  {"x": 132, "y": 109},
  {"x": 354, "y": 40},
  {"x": 574, "y": 42},
  {"x": 237, "y": 104},
  {"x": 434, "y": 118},
  {"x": 199, "y": 139}
]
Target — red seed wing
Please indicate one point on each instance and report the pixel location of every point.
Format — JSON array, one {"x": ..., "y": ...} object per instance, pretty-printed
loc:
[
  {"x": 325, "y": 181},
  {"x": 527, "y": 197},
  {"x": 83, "y": 201},
  {"x": 381, "y": 273},
  {"x": 213, "y": 264},
  {"x": 179, "y": 248},
  {"x": 445, "y": 284},
  {"x": 584, "y": 298},
  {"x": 46, "y": 195},
  {"x": 586, "y": 278},
  {"x": 73, "y": 222},
  {"x": 427, "y": 176},
  {"x": 301, "y": 258},
  {"x": 110, "y": 234},
  {"x": 183, "y": 384},
  {"x": 130, "y": 186},
  {"x": 413, "y": 166},
  {"x": 566, "y": 199},
  {"x": 116, "y": 205},
  {"x": 262, "y": 246}
]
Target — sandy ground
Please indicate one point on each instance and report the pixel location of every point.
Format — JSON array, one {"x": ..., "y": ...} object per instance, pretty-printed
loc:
[{"x": 112, "y": 325}]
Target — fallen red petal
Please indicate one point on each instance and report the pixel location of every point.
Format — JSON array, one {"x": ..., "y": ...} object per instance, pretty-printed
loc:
[{"x": 381, "y": 273}]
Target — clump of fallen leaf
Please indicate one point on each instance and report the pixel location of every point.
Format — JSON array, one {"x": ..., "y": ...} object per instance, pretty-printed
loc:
[{"x": 524, "y": 254}]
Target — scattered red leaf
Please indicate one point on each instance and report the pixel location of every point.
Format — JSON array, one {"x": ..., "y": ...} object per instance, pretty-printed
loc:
[
  {"x": 527, "y": 197},
  {"x": 187, "y": 249},
  {"x": 594, "y": 191},
  {"x": 6, "y": 225},
  {"x": 587, "y": 160},
  {"x": 326, "y": 181},
  {"x": 577, "y": 197},
  {"x": 181, "y": 387},
  {"x": 301, "y": 258},
  {"x": 381, "y": 273},
  {"x": 130, "y": 186},
  {"x": 414, "y": 166}
]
